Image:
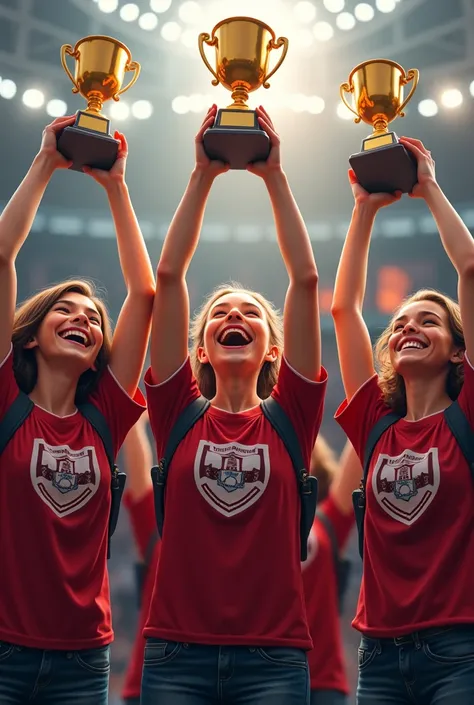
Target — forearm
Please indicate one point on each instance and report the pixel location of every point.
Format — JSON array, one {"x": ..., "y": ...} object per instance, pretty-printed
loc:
[
  {"x": 138, "y": 461},
  {"x": 183, "y": 234},
  {"x": 19, "y": 214},
  {"x": 351, "y": 277},
  {"x": 292, "y": 235},
  {"x": 456, "y": 238},
  {"x": 134, "y": 259}
]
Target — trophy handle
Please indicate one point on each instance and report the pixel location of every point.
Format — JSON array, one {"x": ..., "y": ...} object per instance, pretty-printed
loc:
[
  {"x": 132, "y": 66},
  {"x": 280, "y": 42},
  {"x": 412, "y": 75},
  {"x": 68, "y": 49},
  {"x": 347, "y": 88},
  {"x": 205, "y": 38}
]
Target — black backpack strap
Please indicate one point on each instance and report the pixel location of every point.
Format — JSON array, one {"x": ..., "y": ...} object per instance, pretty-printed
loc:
[
  {"x": 159, "y": 473},
  {"x": 307, "y": 485},
  {"x": 15, "y": 415},
  {"x": 342, "y": 565},
  {"x": 462, "y": 432},
  {"x": 117, "y": 485},
  {"x": 358, "y": 496}
]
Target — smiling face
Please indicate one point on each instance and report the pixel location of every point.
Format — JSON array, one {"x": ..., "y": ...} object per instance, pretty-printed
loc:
[{"x": 421, "y": 339}]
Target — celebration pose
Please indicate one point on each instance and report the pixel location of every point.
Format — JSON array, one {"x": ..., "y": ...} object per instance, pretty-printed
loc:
[
  {"x": 227, "y": 619},
  {"x": 324, "y": 577},
  {"x": 416, "y": 611},
  {"x": 59, "y": 358}
]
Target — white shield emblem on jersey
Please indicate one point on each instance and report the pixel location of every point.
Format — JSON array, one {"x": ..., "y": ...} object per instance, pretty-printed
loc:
[
  {"x": 65, "y": 479},
  {"x": 405, "y": 485},
  {"x": 313, "y": 545},
  {"x": 231, "y": 476}
]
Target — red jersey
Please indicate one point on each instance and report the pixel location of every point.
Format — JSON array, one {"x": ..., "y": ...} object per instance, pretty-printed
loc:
[
  {"x": 142, "y": 519},
  {"x": 326, "y": 658},
  {"x": 418, "y": 524},
  {"x": 229, "y": 570},
  {"x": 54, "y": 513}
]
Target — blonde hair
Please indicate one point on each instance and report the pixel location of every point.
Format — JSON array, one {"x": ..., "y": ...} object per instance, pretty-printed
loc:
[
  {"x": 323, "y": 465},
  {"x": 391, "y": 383},
  {"x": 204, "y": 373},
  {"x": 28, "y": 318}
]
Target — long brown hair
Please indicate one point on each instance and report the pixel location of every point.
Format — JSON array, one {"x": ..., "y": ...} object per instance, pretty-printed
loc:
[
  {"x": 324, "y": 466},
  {"x": 390, "y": 382},
  {"x": 204, "y": 373},
  {"x": 28, "y": 318}
]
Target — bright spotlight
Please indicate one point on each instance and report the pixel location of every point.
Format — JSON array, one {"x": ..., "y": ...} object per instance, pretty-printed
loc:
[
  {"x": 323, "y": 31},
  {"x": 345, "y": 21},
  {"x": 364, "y": 12},
  {"x": 197, "y": 103},
  {"x": 7, "y": 88},
  {"x": 129, "y": 12},
  {"x": 171, "y": 31},
  {"x": 385, "y": 5},
  {"x": 471, "y": 88},
  {"x": 427, "y": 107},
  {"x": 304, "y": 11},
  {"x": 334, "y": 5},
  {"x": 142, "y": 109},
  {"x": 451, "y": 98},
  {"x": 148, "y": 21},
  {"x": 107, "y": 5},
  {"x": 180, "y": 104},
  {"x": 119, "y": 111},
  {"x": 189, "y": 38},
  {"x": 315, "y": 105},
  {"x": 343, "y": 112},
  {"x": 33, "y": 98},
  {"x": 160, "y": 5},
  {"x": 190, "y": 12},
  {"x": 56, "y": 108}
]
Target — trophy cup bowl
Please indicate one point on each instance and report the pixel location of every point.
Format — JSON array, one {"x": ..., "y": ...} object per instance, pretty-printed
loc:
[
  {"x": 99, "y": 73},
  {"x": 377, "y": 87},
  {"x": 242, "y": 54}
]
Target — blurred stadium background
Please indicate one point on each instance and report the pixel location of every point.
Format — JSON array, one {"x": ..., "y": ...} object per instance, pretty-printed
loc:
[{"x": 73, "y": 233}]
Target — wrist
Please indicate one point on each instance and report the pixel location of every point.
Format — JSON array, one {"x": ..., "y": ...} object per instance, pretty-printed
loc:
[
  {"x": 115, "y": 188},
  {"x": 365, "y": 209},
  {"x": 431, "y": 190},
  {"x": 43, "y": 165},
  {"x": 202, "y": 176},
  {"x": 274, "y": 176}
]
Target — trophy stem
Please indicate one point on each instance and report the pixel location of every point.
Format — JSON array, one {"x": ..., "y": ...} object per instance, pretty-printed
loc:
[
  {"x": 240, "y": 95},
  {"x": 380, "y": 125},
  {"x": 95, "y": 102}
]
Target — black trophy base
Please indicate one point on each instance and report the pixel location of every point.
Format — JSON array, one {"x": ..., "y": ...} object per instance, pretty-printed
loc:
[
  {"x": 385, "y": 169},
  {"x": 88, "y": 143},
  {"x": 237, "y": 139}
]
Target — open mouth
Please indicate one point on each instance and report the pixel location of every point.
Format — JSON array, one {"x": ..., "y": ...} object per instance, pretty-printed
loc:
[
  {"x": 234, "y": 338},
  {"x": 76, "y": 336},
  {"x": 412, "y": 345}
]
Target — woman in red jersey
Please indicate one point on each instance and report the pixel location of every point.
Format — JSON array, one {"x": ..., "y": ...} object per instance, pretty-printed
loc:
[
  {"x": 416, "y": 608},
  {"x": 333, "y": 524},
  {"x": 227, "y": 620},
  {"x": 55, "y": 479}
]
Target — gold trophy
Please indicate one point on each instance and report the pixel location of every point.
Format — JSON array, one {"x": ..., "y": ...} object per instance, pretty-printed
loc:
[
  {"x": 101, "y": 64},
  {"x": 243, "y": 47},
  {"x": 383, "y": 165}
]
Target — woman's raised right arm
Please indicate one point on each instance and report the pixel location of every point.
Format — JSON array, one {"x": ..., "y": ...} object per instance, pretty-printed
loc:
[
  {"x": 17, "y": 218},
  {"x": 353, "y": 340},
  {"x": 169, "y": 332}
]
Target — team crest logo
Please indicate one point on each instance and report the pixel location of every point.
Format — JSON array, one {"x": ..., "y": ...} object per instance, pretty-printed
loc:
[
  {"x": 406, "y": 485},
  {"x": 231, "y": 477},
  {"x": 65, "y": 479},
  {"x": 312, "y": 548}
]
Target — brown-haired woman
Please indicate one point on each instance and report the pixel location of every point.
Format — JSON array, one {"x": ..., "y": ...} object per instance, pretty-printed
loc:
[
  {"x": 416, "y": 611},
  {"x": 55, "y": 479},
  {"x": 227, "y": 621},
  {"x": 337, "y": 479}
]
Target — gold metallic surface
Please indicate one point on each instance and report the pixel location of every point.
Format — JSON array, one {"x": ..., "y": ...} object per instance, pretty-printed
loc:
[
  {"x": 242, "y": 51},
  {"x": 93, "y": 122},
  {"x": 231, "y": 118},
  {"x": 100, "y": 66},
  {"x": 377, "y": 88}
]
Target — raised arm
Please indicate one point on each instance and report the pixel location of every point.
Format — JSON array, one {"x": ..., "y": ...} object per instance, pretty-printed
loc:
[
  {"x": 456, "y": 238},
  {"x": 169, "y": 335},
  {"x": 302, "y": 330},
  {"x": 347, "y": 479},
  {"x": 17, "y": 219},
  {"x": 138, "y": 460},
  {"x": 132, "y": 331},
  {"x": 353, "y": 340}
]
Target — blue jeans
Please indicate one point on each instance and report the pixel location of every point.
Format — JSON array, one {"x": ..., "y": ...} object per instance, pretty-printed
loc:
[
  {"x": 36, "y": 677},
  {"x": 194, "y": 674},
  {"x": 432, "y": 667},
  {"x": 327, "y": 697}
]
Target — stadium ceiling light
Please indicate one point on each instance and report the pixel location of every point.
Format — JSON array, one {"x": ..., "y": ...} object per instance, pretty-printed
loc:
[
  {"x": 323, "y": 31},
  {"x": 452, "y": 98},
  {"x": 304, "y": 11},
  {"x": 33, "y": 98},
  {"x": 129, "y": 12},
  {"x": 364, "y": 12}
]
